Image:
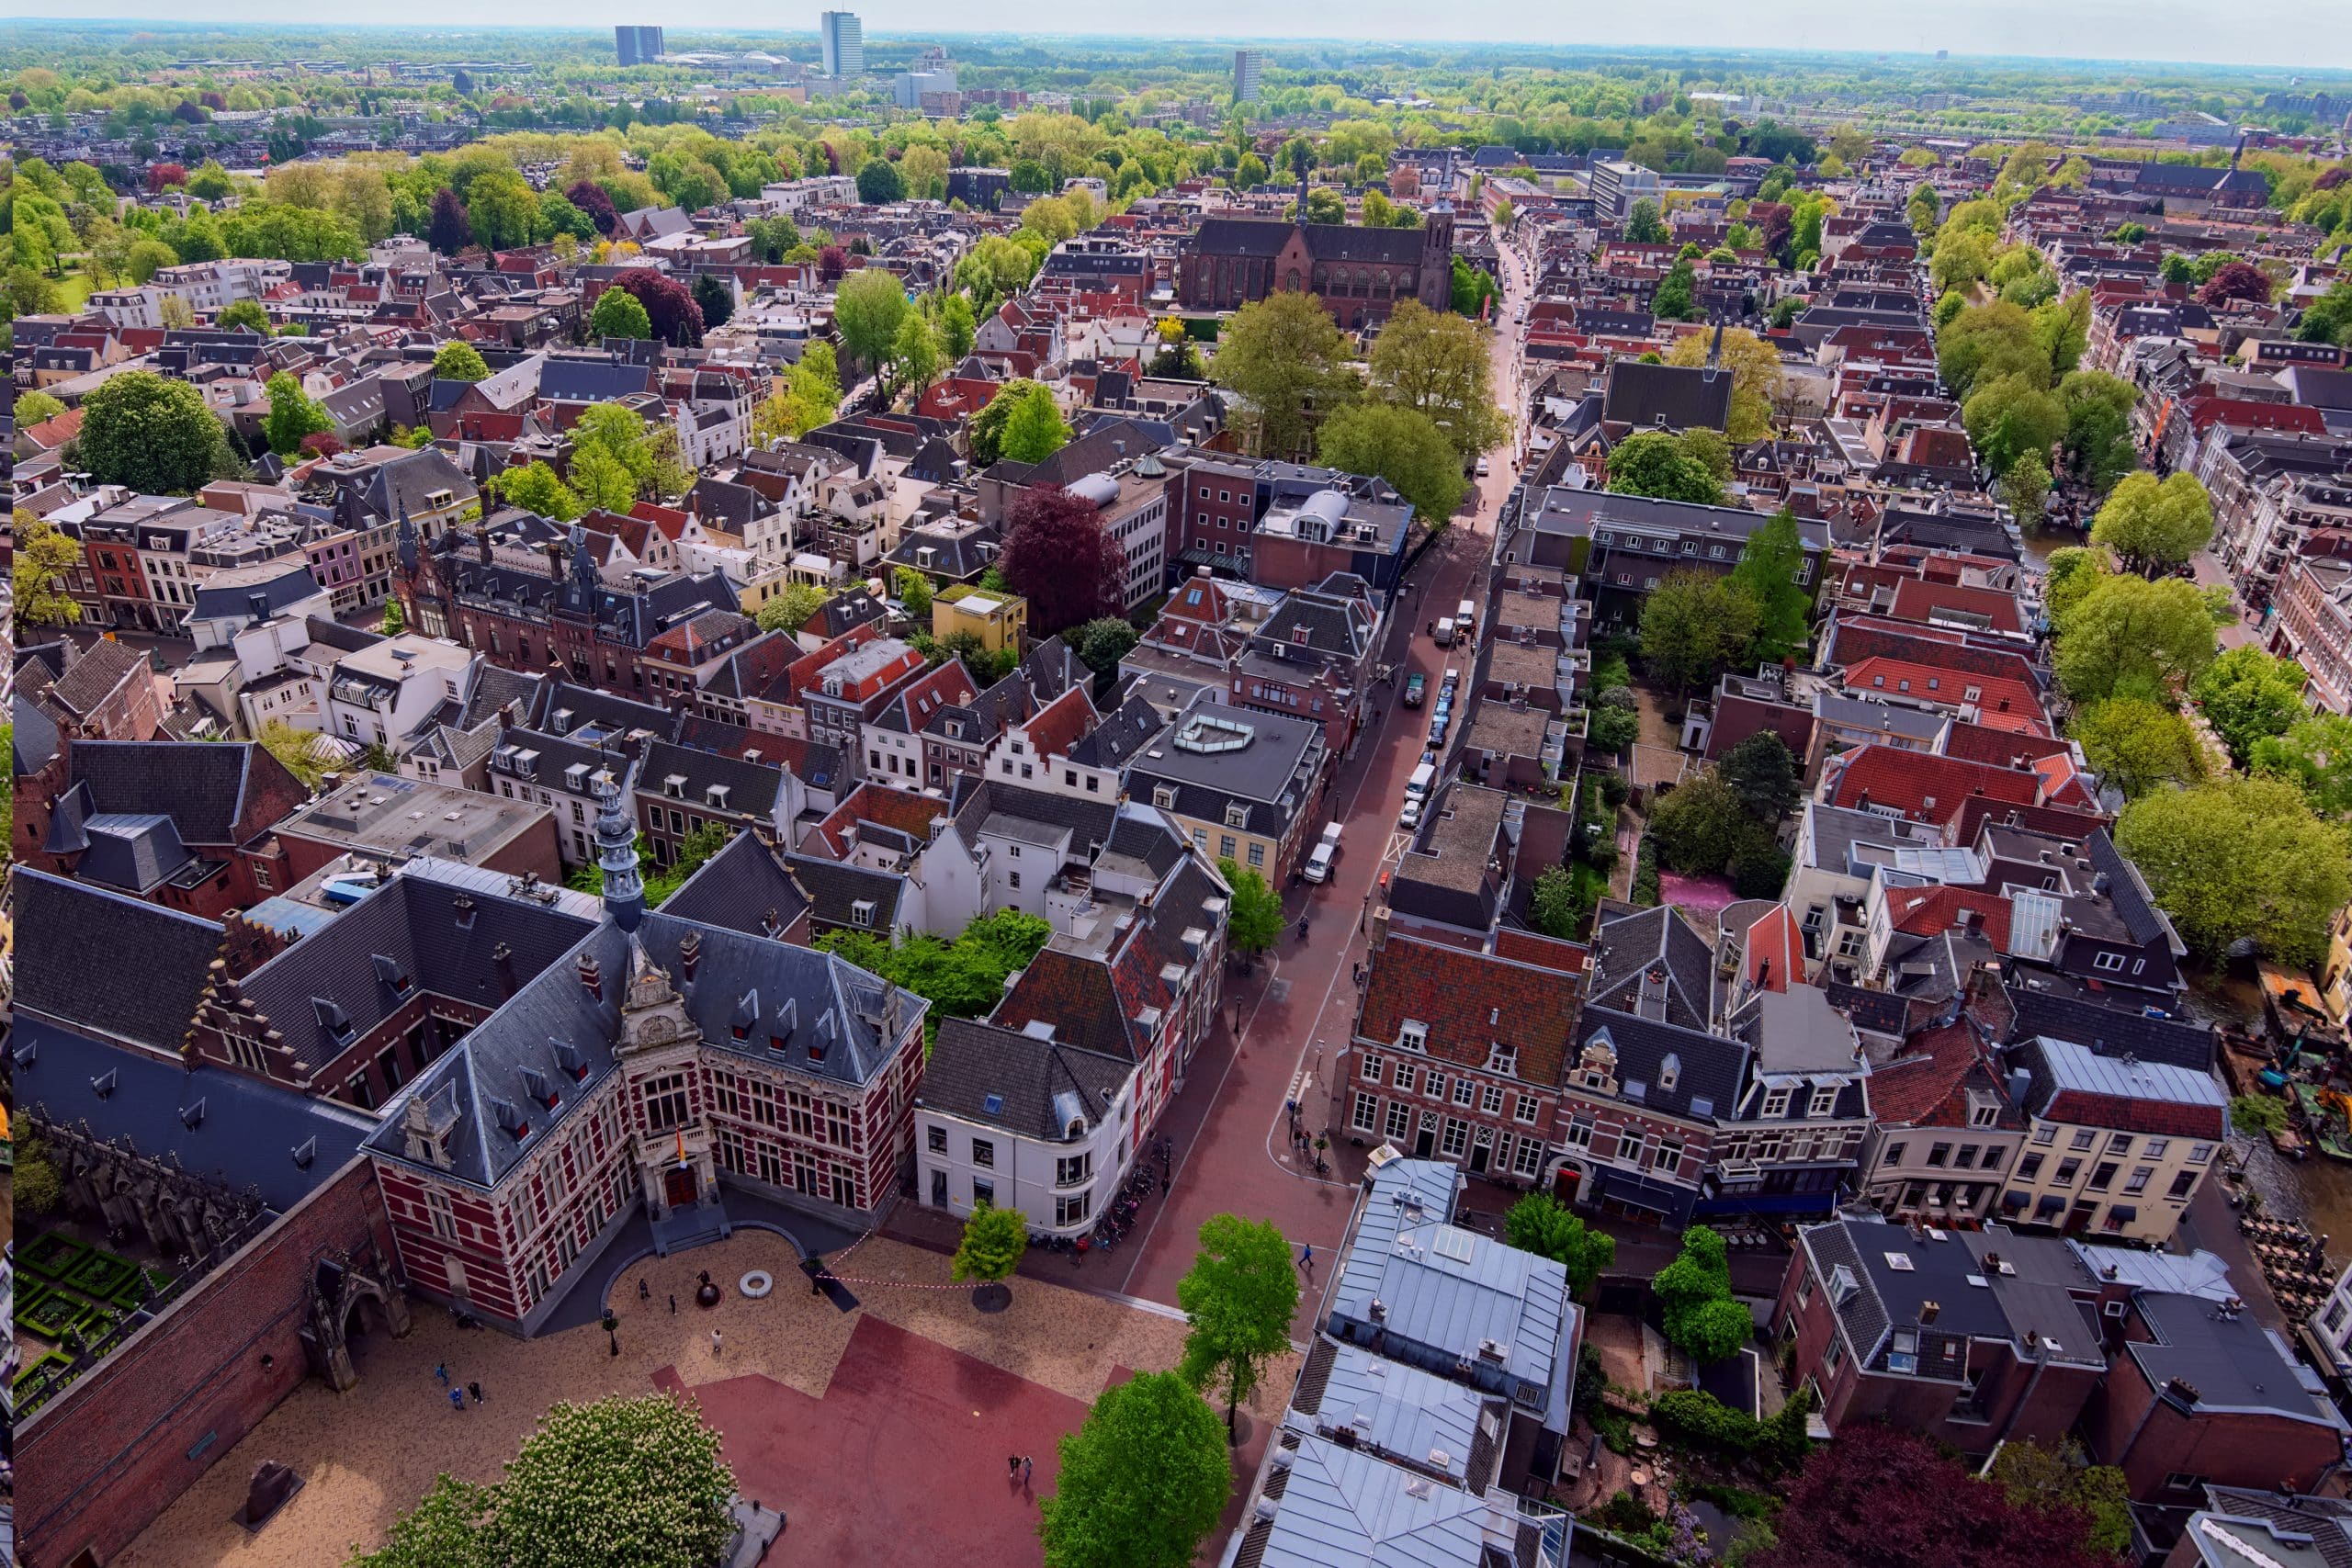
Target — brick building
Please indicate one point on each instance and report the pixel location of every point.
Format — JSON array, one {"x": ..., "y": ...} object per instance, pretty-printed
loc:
[{"x": 1359, "y": 274}]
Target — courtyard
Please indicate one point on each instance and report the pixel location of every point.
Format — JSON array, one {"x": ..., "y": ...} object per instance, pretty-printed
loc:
[{"x": 873, "y": 1428}]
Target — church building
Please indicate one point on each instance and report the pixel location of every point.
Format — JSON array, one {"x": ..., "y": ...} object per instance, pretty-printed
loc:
[{"x": 1359, "y": 273}]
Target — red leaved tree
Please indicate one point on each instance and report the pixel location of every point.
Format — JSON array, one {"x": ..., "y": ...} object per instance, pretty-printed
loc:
[
  {"x": 448, "y": 230},
  {"x": 831, "y": 261},
  {"x": 2235, "y": 280},
  {"x": 1058, "y": 556},
  {"x": 1879, "y": 1498},
  {"x": 677, "y": 319},
  {"x": 160, "y": 175},
  {"x": 590, "y": 197},
  {"x": 321, "y": 444}
]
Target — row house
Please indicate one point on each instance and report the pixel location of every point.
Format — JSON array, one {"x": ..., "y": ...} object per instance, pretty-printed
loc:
[
  {"x": 1622, "y": 545},
  {"x": 2114, "y": 1146},
  {"x": 681, "y": 790},
  {"x": 940, "y": 855},
  {"x": 894, "y": 740},
  {"x": 850, "y": 689},
  {"x": 1314, "y": 658},
  {"x": 2313, "y": 628},
  {"x": 1944, "y": 1132},
  {"x": 1244, "y": 788}
]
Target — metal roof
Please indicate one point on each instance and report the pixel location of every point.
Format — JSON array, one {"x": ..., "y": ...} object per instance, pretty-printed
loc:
[
  {"x": 1344, "y": 1509},
  {"x": 2079, "y": 1068}
]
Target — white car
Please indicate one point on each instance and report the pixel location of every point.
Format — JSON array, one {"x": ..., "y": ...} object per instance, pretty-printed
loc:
[
  {"x": 1483, "y": 470},
  {"x": 1411, "y": 815}
]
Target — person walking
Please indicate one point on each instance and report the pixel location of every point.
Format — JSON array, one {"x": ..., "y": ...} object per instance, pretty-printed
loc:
[
  {"x": 441, "y": 1375},
  {"x": 714, "y": 1342},
  {"x": 475, "y": 1389},
  {"x": 674, "y": 1307},
  {"x": 456, "y": 1400},
  {"x": 1306, "y": 1256},
  {"x": 643, "y": 1293},
  {"x": 1027, "y": 1469},
  {"x": 1012, "y": 1467}
]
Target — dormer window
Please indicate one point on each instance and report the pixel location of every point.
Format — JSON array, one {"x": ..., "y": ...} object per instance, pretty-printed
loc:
[
  {"x": 1236, "y": 816},
  {"x": 675, "y": 786},
  {"x": 1776, "y": 1103},
  {"x": 715, "y": 795},
  {"x": 1413, "y": 1035},
  {"x": 1164, "y": 796},
  {"x": 1825, "y": 1099},
  {"x": 1597, "y": 1066},
  {"x": 861, "y": 913},
  {"x": 1668, "y": 1073}
]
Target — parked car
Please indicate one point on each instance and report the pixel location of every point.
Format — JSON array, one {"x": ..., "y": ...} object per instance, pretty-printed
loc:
[
  {"x": 1416, "y": 685},
  {"x": 1483, "y": 470}
]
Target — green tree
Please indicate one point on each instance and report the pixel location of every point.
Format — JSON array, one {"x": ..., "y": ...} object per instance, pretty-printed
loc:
[
  {"x": 993, "y": 1241},
  {"x": 626, "y": 1483},
  {"x": 1540, "y": 1223},
  {"x": 242, "y": 316},
  {"x": 1398, "y": 445},
  {"x": 1033, "y": 427},
  {"x": 40, "y": 566},
  {"x": 1769, "y": 568},
  {"x": 914, "y": 354},
  {"x": 914, "y": 595},
  {"x": 601, "y": 482},
  {"x": 2245, "y": 696},
  {"x": 2097, "y": 445},
  {"x": 2070, "y": 574},
  {"x": 395, "y": 619},
  {"x": 2136, "y": 744},
  {"x": 1642, "y": 225},
  {"x": 2129, "y": 636},
  {"x": 293, "y": 414},
  {"x": 1437, "y": 364},
  {"x": 1698, "y": 825},
  {"x": 2012, "y": 417},
  {"x": 1652, "y": 463},
  {"x": 1763, "y": 773},
  {"x": 2316, "y": 752},
  {"x": 2257, "y": 1115},
  {"x": 537, "y": 487},
  {"x": 1757, "y": 379},
  {"x": 295, "y": 751},
  {"x": 459, "y": 360},
  {"x": 1702, "y": 1318},
  {"x": 150, "y": 434},
  {"x": 1557, "y": 906},
  {"x": 1102, "y": 643},
  {"x": 1984, "y": 343},
  {"x": 866, "y": 311},
  {"x": 1142, "y": 1482},
  {"x": 2240, "y": 857},
  {"x": 1677, "y": 296},
  {"x": 502, "y": 209},
  {"x": 448, "y": 1529},
  {"x": 1239, "y": 1298},
  {"x": 986, "y": 432},
  {"x": 1694, "y": 623},
  {"x": 2024, "y": 488},
  {"x": 2154, "y": 525},
  {"x": 956, "y": 328},
  {"x": 790, "y": 610},
  {"x": 36, "y": 407},
  {"x": 619, "y": 314},
  {"x": 1287, "y": 363},
  {"x": 1254, "y": 924},
  {"x": 2062, "y": 1480},
  {"x": 879, "y": 183}
]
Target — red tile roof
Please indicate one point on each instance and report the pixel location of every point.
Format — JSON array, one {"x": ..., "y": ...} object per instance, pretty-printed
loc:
[
  {"x": 1916, "y": 600},
  {"x": 1773, "y": 952},
  {"x": 1925, "y": 911},
  {"x": 2163, "y": 1118},
  {"x": 1471, "y": 1001},
  {"x": 1925, "y": 787},
  {"x": 1999, "y": 703},
  {"x": 1062, "y": 723},
  {"x": 1919, "y": 1090}
]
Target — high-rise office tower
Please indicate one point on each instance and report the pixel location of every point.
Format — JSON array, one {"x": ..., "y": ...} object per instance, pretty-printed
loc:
[
  {"x": 845, "y": 42},
  {"x": 1247, "y": 64},
  {"x": 638, "y": 46}
]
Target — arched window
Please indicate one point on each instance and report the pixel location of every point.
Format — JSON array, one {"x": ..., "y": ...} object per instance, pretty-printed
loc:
[{"x": 1292, "y": 280}]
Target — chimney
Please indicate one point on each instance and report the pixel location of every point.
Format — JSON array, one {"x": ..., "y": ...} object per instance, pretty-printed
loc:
[
  {"x": 502, "y": 959},
  {"x": 592, "y": 975},
  {"x": 1927, "y": 1310},
  {"x": 690, "y": 954}
]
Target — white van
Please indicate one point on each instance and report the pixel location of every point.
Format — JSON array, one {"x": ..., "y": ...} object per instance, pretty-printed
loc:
[
  {"x": 1327, "y": 853},
  {"x": 1424, "y": 778},
  {"x": 1466, "y": 617},
  {"x": 1445, "y": 631}
]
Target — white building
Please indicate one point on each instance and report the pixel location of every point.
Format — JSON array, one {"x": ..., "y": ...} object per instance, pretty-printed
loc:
[{"x": 380, "y": 695}]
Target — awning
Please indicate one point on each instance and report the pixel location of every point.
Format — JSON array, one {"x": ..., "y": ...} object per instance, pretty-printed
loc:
[
  {"x": 2050, "y": 1203},
  {"x": 2015, "y": 1200},
  {"x": 2125, "y": 1212}
]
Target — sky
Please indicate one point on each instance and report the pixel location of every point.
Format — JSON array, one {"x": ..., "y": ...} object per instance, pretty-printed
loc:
[{"x": 2314, "y": 35}]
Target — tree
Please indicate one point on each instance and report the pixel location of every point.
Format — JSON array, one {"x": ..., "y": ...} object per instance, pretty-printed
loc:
[
  {"x": 1102, "y": 643},
  {"x": 2245, "y": 694},
  {"x": 985, "y": 433},
  {"x": 43, "y": 560},
  {"x": 714, "y": 298},
  {"x": 879, "y": 183},
  {"x": 2235, "y": 280},
  {"x": 1557, "y": 906},
  {"x": 2097, "y": 445},
  {"x": 1695, "y": 623},
  {"x": 1676, "y": 299},
  {"x": 448, "y": 230},
  {"x": 537, "y": 487},
  {"x": 2011, "y": 418},
  {"x": 448, "y": 1529},
  {"x": 619, "y": 315},
  {"x": 675, "y": 317},
  {"x": 395, "y": 619},
  {"x": 2316, "y": 754},
  {"x": 1033, "y": 427},
  {"x": 914, "y": 354},
  {"x": 1763, "y": 774},
  {"x": 502, "y": 209},
  {"x": 1652, "y": 463},
  {"x": 1058, "y": 556},
  {"x": 242, "y": 316},
  {"x": 914, "y": 595},
  {"x": 1702, "y": 1318},
  {"x": 1642, "y": 225},
  {"x": 2129, "y": 636},
  {"x": 2070, "y": 575},
  {"x": 2240, "y": 857},
  {"x": 1239, "y": 1298},
  {"x": 1768, "y": 569},
  {"x": 866, "y": 310},
  {"x": 1698, "y": 825},
  {"x": 2257, "y": 1115},
  {"x": 457, "y": 360},
  {"x": 35, "y": 407},
  {"x": 150, "y": 434},
  {"x": 2025, "y": 490},
  {"x": 1255, "y": 922},
  {"x": 630, "y": 1483},
  {"x": 2063, "y": 1482},
  {"x": 1287, "y": 363},
  {"x": 296, "y": 750},
  {"x": 993, "y": 1241},
  {"x": 293, "y": 414},
  {"x": 956, "y": 328},
  {"x": 593, "y": 199},
  {"x": 1401, "y": 445},
  {"x": 1540, "y": 1223},
  {"x": 2154, "y": 525},
  {"x": 2136, "y": 744},
  {"x": 790, "y": 610},
  {"x": 811, "y": 394},
  {"x": 1878, "y": 1497},
  {"x": 1142, "y": 1482},
  {"x": 1438, "y": 365},
  {"x": 1615, "y": 721},
  {"x": 1987, "y": 343}
]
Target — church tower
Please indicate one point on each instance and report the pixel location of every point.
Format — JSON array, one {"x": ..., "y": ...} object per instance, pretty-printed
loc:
[{"x": 616, "y": 849}]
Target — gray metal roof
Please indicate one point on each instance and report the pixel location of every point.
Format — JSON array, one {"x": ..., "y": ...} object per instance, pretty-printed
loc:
[
  {"x": 1399, "y": 1410},
  {"x": 1344, "y": 1509},
  {"x": 2073, "y": 1066}
]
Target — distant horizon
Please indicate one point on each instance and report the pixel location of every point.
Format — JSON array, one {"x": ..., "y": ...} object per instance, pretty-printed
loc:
[{"x": 2052, "y": 33}]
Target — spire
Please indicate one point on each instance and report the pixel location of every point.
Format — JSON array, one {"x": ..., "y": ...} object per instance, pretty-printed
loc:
[
  {"x": 407, "y": 542},
  {"x": 617, "y": 849},
  {"x": 1716, "y": 349}
]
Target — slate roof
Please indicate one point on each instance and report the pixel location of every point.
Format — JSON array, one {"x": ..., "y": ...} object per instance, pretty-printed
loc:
[
  {"x": 94, "y": 676},
  {"x": 159, "y": 958},
  {"x": 2234, "y": 1362},
  {"x": 1009, "y": 1079},
  {"x": 738, "y": 886},
  {"x": 1710, "y": 1071},
  {"x": 1122, "y": 735},
  {"x": 201, "y": 785},
  {"x": 287, "y": 584},
  {"x": 2071, "y": 1084},
  {"x": 1627, "y": 950},
  {"x": 1670, "y": 397},
  {"x": 2109, "y": 1030}
]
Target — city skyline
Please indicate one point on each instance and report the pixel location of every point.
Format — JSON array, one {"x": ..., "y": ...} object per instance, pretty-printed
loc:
[{"x": 2195, "y": 32}]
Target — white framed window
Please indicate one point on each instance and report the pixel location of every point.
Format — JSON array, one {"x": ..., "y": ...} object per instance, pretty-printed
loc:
[
  {"x": 1413, "y": 1035},
  {"x": 1366, "y": 1117},
  {"x": 1530, "y": 1159},
  {"x": 1825, "y": 1099},
  {"x": 1372, "y": 1069},
  {"x": 1525, "y": 1110},
  {"x": 1457, "y": 1138},
  {"x": 1399, "y": 1121},
  {"x": 1776, "y": 1102},
  {"x": 1490, "y": 1100},
  {"x": 1463, "y": 1091}
]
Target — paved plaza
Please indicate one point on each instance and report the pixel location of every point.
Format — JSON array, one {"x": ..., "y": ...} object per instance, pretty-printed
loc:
[{"x": 873, "y": 1430}]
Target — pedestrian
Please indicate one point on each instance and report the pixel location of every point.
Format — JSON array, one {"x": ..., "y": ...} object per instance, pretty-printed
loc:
[
  {"x": 643, "y": 1293},
  {"x": 1012, "y": 1467},
  {"x": 441, "y": 1375},
  {"x": 1027, "y": 1469},
  {"x": 475, "y": 1389},
  {"x": 456, "y": 1400},
  {"x": 714, "y": 1342},
  {"x": 674, "y": 1307},
  {"x": 1306, "y": 1256}
]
